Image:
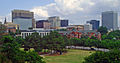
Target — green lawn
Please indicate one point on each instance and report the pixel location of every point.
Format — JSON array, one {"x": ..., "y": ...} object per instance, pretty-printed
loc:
[{"x": 73, "y": 56}]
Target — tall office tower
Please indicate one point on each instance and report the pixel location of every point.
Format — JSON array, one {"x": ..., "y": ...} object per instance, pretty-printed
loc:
[
  {"x": 54, "y": 21},
  {"x": 24, "y": 18},
  {"x": 64, "y": 23},
  {"x": 95, "y": 24},
  {"x": 110, "y": 20}
]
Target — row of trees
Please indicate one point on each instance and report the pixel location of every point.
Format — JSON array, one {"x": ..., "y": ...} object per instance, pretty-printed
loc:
[
  {"x": 52, "y": 42},
  {"x": 110, "y": 44}
]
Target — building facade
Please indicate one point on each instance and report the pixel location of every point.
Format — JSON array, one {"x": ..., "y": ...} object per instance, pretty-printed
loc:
[
  {"x": 55, "y": 22},
  {"x": 43, "y": 24},
  {"x": 24, "y": 18},
  {"x": 64, "y": 23},
  {"x": 87, "y": 27},
  {"x": 24, "y": 24},
  {"x": 11, "y": 27},
  {"x": 75, "y": 27},
  {"x": 110, "y": 20},
  {"x": 95, "y": 24},
  {"x": 26, "y": 33},
  {"x": 80, "y": 34}
]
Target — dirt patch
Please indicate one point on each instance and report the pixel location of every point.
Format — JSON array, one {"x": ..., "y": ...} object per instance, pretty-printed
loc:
[{"x": 56, "y": 54}]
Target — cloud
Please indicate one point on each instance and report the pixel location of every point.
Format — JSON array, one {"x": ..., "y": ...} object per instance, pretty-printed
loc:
[
  {"x": 77, "y": 11},
  {"x": 40, "y": 12},
  {"x": 8, "y": 18},
  {"x": 2, "y": 19}
]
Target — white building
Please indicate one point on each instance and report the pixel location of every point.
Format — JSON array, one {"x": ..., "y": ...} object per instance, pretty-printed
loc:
[
  {"x": 87, "y": 27},
  {"x": 26, "y": 33},
  {"x": 54, "y": 21}
]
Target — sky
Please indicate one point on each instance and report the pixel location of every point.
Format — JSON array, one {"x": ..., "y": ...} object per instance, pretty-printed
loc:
[{"x": 76, "y": 11}]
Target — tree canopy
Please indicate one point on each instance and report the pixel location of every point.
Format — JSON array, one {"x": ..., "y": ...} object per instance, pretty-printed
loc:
[
  {"x": 102, "y": 30},
  {"x": 112, "y": 56}
]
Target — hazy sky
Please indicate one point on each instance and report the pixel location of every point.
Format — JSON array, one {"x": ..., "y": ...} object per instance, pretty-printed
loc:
[{"x": 77, "y": 11}]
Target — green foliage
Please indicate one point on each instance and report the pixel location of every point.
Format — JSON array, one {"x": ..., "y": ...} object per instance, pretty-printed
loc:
[
  {"x": 75, "y": 41},
  {"x": 102, "y": 30},
  {"x": 54, "y": 41},
  {"x": 33, "y": 57},
  {"x": 115, "y": 34},
  {"x": 104, "y": 57},
  {"x": 106, "y": 43},
  {"x": 10, "y": 51},
  {"x": 33, "y": 41}
]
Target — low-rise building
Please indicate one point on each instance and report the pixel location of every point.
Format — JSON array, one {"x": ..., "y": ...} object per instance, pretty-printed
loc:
[
  {"x": 75, "y": 27},
  {"x": 42, "y": 33},
  {"x": 87, "y": 27},
  {"x": 79, "y": 34},
  {"x": 11, "y": 27}
]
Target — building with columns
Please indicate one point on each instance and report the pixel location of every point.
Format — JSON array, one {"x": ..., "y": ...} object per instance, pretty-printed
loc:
[{"x": 42, "y": 33}]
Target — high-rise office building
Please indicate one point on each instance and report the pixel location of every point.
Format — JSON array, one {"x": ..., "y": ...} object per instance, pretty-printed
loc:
[
  {"x": 24, "y": 18},
  {"x": 110, "y": 20},
  {"x": 54, "y": 21},
  {"x": 64, "y": 23},
  {"x": 95, "y": 24}
]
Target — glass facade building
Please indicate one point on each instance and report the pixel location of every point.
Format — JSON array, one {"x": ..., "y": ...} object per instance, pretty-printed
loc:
[
  {"x": 110, "y": 20},
  {"x": 64, "y": 23},
  {"x": 24, "y": 24},
  {"x": 95, "y": 24},
  {"x": 24, "y": 18}
]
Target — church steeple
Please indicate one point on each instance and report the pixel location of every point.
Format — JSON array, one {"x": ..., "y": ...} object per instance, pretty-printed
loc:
[{"x": 5, "y": 21}]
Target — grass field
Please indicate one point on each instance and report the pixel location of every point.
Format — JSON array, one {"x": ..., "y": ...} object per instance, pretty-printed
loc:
[{"x": 73, "y": 56}]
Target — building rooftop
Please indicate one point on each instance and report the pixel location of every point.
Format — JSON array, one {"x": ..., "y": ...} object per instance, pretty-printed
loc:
[{"x": 21, "y": 11}]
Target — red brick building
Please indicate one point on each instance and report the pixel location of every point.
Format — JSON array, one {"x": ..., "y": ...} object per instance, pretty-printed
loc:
[{"x": 79, "y": 34}]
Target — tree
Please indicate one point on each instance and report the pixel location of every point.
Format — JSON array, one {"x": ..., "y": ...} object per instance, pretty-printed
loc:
[
  {"x": 75, "y": 41},
  {"x": 102, "y": 30},
  {"x": 55, "y": 42},
  {"x": 33, "y": 41},
  {"x": 33, "y": 57},
  {"x": 112, "y": 56},
  {"x": 2, "y": 30},
  {"x": 115, "y": 34},
  {"x": 11, "y": 52}
]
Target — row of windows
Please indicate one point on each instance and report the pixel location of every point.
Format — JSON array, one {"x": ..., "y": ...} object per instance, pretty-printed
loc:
[{"x": 28, "y": 34}]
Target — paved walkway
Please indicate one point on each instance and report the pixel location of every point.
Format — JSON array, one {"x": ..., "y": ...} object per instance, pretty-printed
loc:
[{"x": 87, "y": 48}]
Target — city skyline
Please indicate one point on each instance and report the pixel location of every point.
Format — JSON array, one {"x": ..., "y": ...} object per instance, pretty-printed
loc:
[{"x": 77, "y": 11}]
